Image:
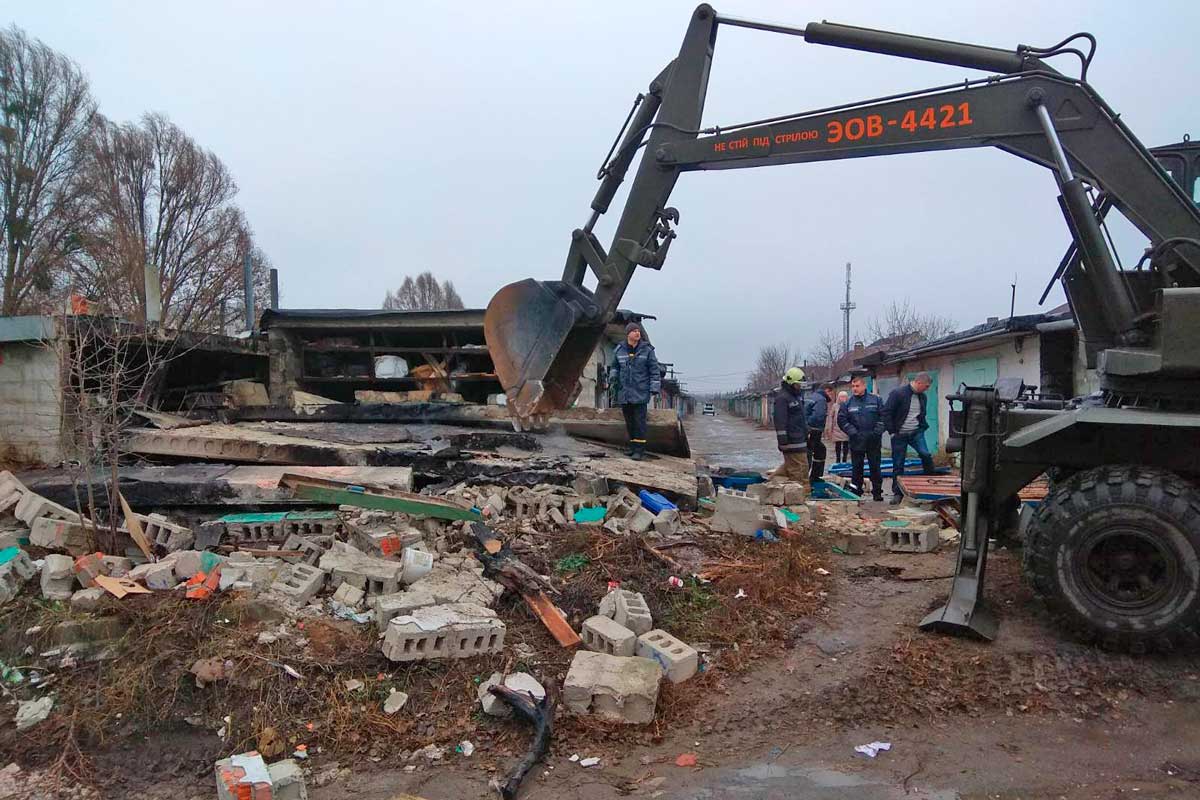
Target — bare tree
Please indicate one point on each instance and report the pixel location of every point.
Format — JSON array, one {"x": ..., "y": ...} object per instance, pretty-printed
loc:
[
  {"x": 773, "y": 361},
  {"x": 908, "y": 326},
  {"x": 827, "y": 350},
  {"x": 423, "y": 293},
  {"x": 158, "y": 198},
  {"x": 46, "y": 109}
]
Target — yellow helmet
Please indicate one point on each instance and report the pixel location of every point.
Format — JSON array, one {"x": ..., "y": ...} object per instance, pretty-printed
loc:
[{"x": 793, "y": 375}]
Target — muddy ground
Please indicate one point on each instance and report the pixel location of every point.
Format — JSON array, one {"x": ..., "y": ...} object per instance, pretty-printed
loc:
[{"x": 1033, "y": 715}]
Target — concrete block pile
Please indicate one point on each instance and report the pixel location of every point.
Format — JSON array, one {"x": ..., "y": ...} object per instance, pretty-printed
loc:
[
  {"x": 617, "y": 676},
  {"x": 621, "y": 689}
]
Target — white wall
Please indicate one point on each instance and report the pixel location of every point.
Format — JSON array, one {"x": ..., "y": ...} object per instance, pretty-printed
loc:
[{"x": 30, "y": 404}]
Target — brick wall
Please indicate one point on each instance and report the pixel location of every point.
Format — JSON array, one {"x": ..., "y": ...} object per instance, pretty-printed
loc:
[{"x": 30, "y": 403}]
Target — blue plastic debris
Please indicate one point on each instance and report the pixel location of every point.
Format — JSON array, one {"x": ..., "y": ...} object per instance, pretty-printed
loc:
[{"x": 654, "y": 502}]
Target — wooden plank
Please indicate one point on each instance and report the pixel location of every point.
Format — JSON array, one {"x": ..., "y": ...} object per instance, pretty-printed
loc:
[
  {"x": 553, "y": 619},
  {"x": 403, "y": 502},
  {"x": 135, "y": 528}
]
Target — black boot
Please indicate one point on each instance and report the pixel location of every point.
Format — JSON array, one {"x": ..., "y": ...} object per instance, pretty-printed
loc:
[{"x": 639, "y": 452}]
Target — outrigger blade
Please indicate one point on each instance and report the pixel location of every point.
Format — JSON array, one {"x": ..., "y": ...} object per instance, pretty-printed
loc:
[
  {"x": 964, "y": 613},
  {"x": 540, "y": 335}
]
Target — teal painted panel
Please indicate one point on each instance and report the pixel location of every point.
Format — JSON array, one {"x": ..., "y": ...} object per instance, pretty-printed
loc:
[
  {"x": 975, "y": 372},
  {"x": 932, "y": 408}
]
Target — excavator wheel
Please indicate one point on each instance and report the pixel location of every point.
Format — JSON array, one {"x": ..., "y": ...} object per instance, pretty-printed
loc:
[{"x": 1115, "y": 552}]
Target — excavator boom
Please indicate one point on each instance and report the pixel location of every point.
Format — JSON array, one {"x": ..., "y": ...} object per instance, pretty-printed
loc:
[{"x": 542, "y": 333}]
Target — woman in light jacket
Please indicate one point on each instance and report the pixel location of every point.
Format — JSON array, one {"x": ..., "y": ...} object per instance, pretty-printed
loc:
[{"x": 841, "y": 442}]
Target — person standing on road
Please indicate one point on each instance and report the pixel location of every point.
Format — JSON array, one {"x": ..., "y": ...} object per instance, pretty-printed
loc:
[
  {"x": 904, "y": 413},
  {"x": 637, "y": 376},
  {"x": 861, "y": 417},
  {"x": 833, "y": 433},
  {"x": 791, "y": 428},
  {"x": 816, "y": 411}
]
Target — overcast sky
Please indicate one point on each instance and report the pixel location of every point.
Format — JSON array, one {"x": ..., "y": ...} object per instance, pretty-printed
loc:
[{"x": 373, "y": 140}]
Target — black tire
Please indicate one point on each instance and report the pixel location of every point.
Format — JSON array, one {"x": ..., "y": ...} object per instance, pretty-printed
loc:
[{"x": 1115, "y": 552}]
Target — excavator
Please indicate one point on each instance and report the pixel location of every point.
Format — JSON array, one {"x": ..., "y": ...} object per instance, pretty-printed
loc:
[{"x": 1114, "y": 549}]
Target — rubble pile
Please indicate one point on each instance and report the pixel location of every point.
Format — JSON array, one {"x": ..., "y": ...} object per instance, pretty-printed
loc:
[{"x": 361, "y": 595}]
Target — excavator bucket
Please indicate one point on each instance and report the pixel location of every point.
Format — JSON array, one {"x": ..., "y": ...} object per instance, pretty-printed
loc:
[{"x": 540, "y": 335}]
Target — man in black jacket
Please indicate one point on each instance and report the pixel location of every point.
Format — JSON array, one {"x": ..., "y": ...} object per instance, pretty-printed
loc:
[
  {"x": 861, "y": 418},
  {"x": 904, "y": 413},
  {"x": 791, "y": 428},
  {"x": 816, "y": 407}
]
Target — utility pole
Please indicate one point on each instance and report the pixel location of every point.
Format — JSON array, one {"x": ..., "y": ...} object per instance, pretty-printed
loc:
[
  {"x": 248, "y": 288},
  {"x": 847, "y": 307},
  {"x": 1012, "y": 305}
]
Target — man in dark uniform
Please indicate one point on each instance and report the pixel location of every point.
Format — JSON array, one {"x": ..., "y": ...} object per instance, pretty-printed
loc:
[
  {"x": 637, "y": 376},
  {"x": 861, "y": 417}
]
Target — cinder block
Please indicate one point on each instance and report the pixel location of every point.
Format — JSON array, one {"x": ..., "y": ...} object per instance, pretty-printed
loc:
[
  {"x": 32, "y": 506},
  {"x": 375, "y": 576},
  {"x": 165, "y": 534},
  {"x": 389, "y": 606},
  {"x": 160, "y": 576},
  {"x": 853, "y": 544},
  {"x": 606, "y": 636},
  {"x": 679, "y": 661},
  {"x": 640, "y": 521},
  {"x": 87, "y": 600},
  {"x": 912, "y": 538},
  {"x": 187, "y": 563},
  {"x": 311, "y": 550},
  {"x": 794, "y": 494},
  {"x": 616, "y": 526},
  {"x": 60, "y": 534},
  {"x": 14, "y": 572},
  {"x": 589, "y": 486},
  {"x": 608, "y": 604},
  {"x": 769, "y": 493},
  {"x": 348, "y": 595},
  {"x": 666, "y": 522},
  {"x": 287, "y": 781},
  {"x": 631, "y": 611},
  {"x": 738, "y": 512},
  {"x": 299, "y": 583},
  {"x": 611, "y": 687},
  {"x": 18, "y": 563},
  {"x": 209, "y": 535},
  {"x": 118, "y": 566},
  {"x": 455, "y": 630},
  {"x": 88, "y": 568},
  {"x": 623, "y": 505},
  {"x": 58, "y": 577}
]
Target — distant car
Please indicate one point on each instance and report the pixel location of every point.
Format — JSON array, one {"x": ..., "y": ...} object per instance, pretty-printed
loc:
[{"x": 709, "y": 410}]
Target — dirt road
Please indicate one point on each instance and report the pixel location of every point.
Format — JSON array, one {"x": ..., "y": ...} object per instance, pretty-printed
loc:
[{"x": 729, "y": 441}]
